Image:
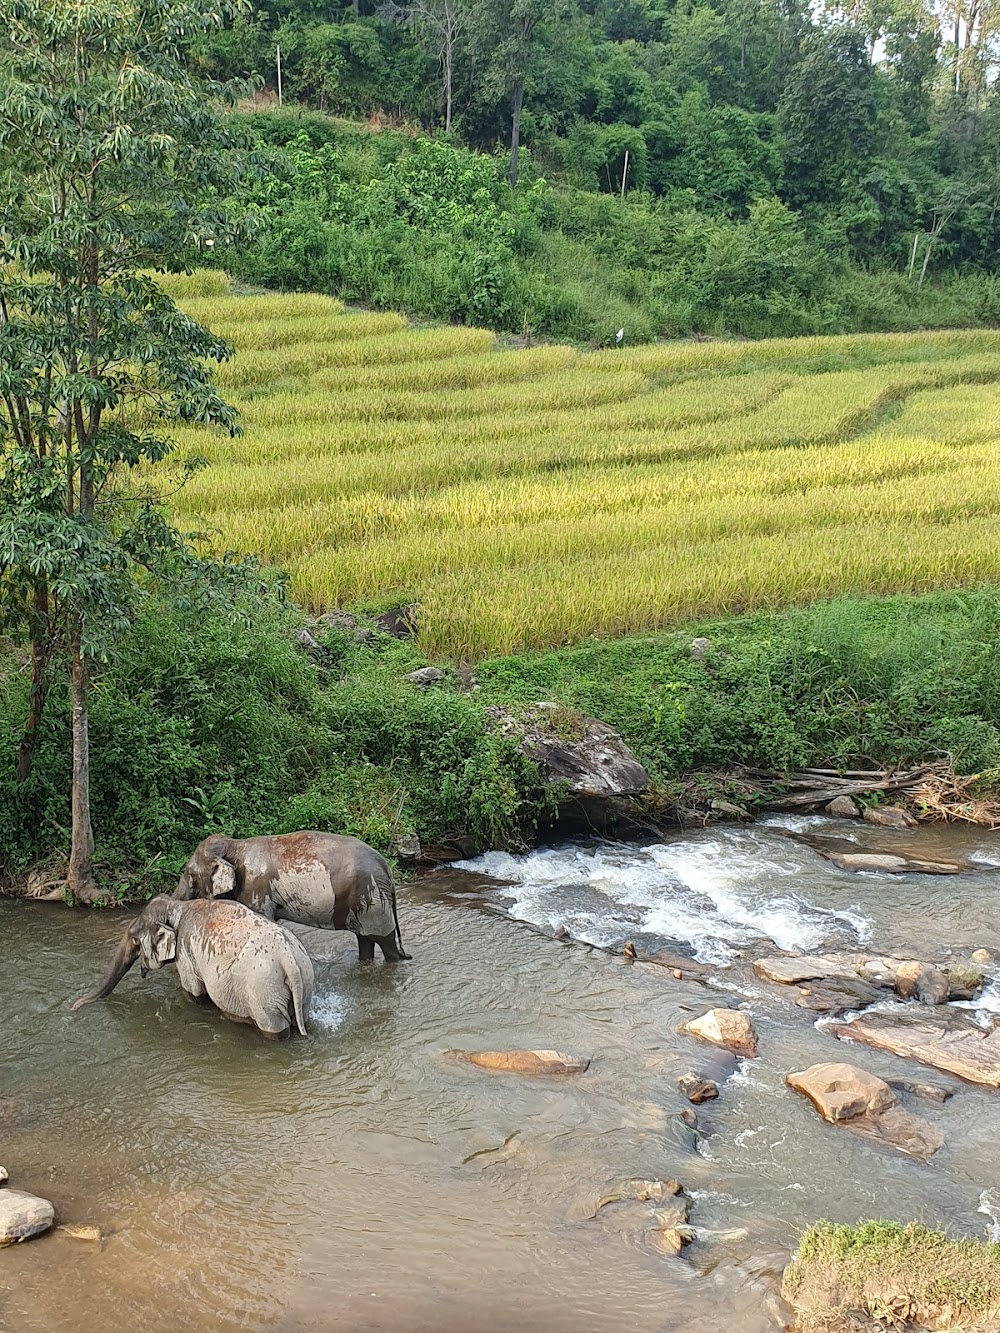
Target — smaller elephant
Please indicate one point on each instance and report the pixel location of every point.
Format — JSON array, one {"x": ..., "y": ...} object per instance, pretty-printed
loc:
[{"x": 251, "y": 969}]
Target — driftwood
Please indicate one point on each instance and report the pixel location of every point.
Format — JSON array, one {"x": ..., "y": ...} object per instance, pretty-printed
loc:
[{"x": 811, "y": 786}]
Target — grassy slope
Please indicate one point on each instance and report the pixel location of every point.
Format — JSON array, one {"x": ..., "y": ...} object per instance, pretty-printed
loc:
[
  {"x": 531, "y": 498},
  {"x": 894, "y": 1274}
]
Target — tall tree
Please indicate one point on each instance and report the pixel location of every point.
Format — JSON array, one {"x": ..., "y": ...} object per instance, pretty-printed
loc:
[
  {"x": 110, "y": 156},
  {"x": 440, "y": 23}
]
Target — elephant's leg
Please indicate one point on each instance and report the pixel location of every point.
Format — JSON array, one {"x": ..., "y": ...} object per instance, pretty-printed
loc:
[
  {"x": 199, "y": 997},
  {"x": 366, "y": 949},
  {"x": 390, "y": 949}
]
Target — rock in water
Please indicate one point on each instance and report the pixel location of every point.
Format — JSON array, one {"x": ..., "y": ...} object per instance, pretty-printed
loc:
[
  {"x": 725, "y": 1027},
  {"x": 965, "y": 980},
  {"x": 943, "y": 1041},
  {"x": 843, "y": 807},
  {"x": 866, "y": 1106},
  {"x": 885, "y": 863},
  {"x": 982, "y": 956},
  {"x": 523, "y": 1062},
  {"x": 920, "y": 981},
  {"x": 889, "y": 816},
  {"x": 80, "y": 1232},
  {"x": 23, "y": 1216},
  {"x": 697, "y": 1089},
  {"x": 841, "y": 1092}
]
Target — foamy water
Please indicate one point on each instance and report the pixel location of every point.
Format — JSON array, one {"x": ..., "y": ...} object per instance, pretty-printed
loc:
[
  {"x": 327, "y": 1011},
  {"x": 715, "y": 894}
]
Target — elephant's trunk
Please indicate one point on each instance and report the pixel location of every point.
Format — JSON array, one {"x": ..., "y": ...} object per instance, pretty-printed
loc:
[{"x": 125, "y": 955}]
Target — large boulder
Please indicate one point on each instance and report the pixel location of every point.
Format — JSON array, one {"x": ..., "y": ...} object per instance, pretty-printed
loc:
[
  {"x": 523, "y": 1062},
  {"x": 941, "y": 1039},
  {"x": 586, "y": 757},
  {"x": 842, "y": 1091},
  {"x": 866, "y": 1105},
  {"x": 23, "y": 1216},
  {"x": 730, "y": 1028}
]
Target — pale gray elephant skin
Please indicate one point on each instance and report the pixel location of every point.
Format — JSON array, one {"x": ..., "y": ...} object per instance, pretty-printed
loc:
[
  {"x": 316, "y": 879},
  {"x": 250, "y": 968}
]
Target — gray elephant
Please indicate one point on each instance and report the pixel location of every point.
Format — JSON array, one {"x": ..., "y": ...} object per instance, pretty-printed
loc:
[
  {"x": 316, "y": 879},
  {"x": 251, "y": 969}
]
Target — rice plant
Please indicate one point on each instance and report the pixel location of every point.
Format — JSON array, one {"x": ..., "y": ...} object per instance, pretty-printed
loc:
[{"x": 534, "y": 496}]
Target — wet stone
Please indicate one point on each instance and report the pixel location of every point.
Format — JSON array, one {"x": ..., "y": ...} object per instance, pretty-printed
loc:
[
  {"x": 842, "y": 807},
  {"x": 891, "y": 816},
  {"x": 697, "y": 1089},
  {"x": 730, "y": 1028},
  {"x": 921, "y": 981},
  {"x": 523, "y": 1062},
  {"x": 23, "y": 1216}
]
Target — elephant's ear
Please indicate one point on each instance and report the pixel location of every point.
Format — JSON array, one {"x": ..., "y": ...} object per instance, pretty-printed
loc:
[
  {"x": 165, "y": 944},
  {"x": 223, "y": 879}
]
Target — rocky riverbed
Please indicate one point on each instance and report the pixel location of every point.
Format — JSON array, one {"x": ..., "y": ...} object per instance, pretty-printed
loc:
[{"x": 404, "y": 1168}]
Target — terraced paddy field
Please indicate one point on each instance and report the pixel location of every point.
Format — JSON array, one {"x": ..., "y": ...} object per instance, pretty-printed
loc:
[{"x": 532, "y": 497}]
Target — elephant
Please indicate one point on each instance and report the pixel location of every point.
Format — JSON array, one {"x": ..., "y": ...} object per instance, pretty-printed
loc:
[
  {"x": 316, "y": 879},
  {"x": 250, "y": 968}
]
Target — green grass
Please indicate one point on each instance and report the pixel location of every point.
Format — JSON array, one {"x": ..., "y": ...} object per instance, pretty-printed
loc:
[
  {"x": 529, "y": 498},
  {"x": 893, "y": 1273}
]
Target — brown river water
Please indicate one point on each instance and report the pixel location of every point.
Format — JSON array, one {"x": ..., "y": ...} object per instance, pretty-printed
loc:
[{"x": 359, "y": 1181}]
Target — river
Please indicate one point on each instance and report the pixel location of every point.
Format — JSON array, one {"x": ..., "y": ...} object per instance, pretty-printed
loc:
[{"x": 358, "y": 1180}]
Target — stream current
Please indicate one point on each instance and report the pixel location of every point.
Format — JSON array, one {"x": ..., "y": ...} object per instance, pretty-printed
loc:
[{"x": 361, "y": 1181}]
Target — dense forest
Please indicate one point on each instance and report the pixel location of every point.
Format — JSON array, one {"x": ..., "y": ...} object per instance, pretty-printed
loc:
[{"x": 749, "y": 166}]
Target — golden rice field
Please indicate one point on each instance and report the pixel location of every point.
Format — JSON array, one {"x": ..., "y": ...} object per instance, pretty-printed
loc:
[{"x": 527, "y": 498}]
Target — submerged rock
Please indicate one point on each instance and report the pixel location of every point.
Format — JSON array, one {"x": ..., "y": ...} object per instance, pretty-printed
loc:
[
  {"x": 889, "y": 816},
  {"x": 843, "y": 808},
  {"x": 523, "y": 1062},
  {"x": 80, "y": 1232},
  {"x": 725, "y": 1027},
  {"x": 930, "y": 1092},
  {"x": 23, "y": 1216},
  {"x": 866, "y": 1105},
  {"x": 943, "y": 1041},
  {"x": 632, "y": 1190}
]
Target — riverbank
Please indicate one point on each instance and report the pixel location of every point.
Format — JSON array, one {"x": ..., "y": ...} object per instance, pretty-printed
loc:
[{"x": 256, "y": 727}]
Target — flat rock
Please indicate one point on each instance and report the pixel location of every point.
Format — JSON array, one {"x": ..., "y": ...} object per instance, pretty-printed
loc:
[
  {"x": 889, "y": 816},
  {"x": 888, "y": 864},
  {"x": 730, "y": 1028},
  {"x": 921, "y": 981},
  {"x": 523, "y": 1062},
  {"x": 697, "y": 1089},
  {"x": 840, "y": 1091},
  {"x": 837, "y": 995},
  {"x": 790, "y": 971},
  {"x": 866, "y": 1105},
  {"x": 944, "y": 1042},
  {"x": 23, "y": 1216},
  {"x": 843, "y": 808}
]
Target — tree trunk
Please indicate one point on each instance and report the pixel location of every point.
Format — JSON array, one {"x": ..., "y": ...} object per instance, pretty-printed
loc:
[
  {"x": 515, "y": 130},
  {"x": 79, "y": 879},
  {"x": 41, "y": 653},
  {"x": 449, "y": 44}
]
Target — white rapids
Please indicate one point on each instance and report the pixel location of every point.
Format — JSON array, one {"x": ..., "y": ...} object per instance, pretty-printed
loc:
[{"x": 715, "y": 894}]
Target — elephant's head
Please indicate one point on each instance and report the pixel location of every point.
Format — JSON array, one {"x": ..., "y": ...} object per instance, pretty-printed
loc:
[
  {"x": 209, "y": 873},
  {"x": 152, "y": 937}
]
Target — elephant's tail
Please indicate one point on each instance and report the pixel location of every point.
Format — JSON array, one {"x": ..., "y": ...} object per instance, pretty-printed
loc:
[
  {"x": 399, "y": 938},
  {"x": 294, "y": 977}
]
